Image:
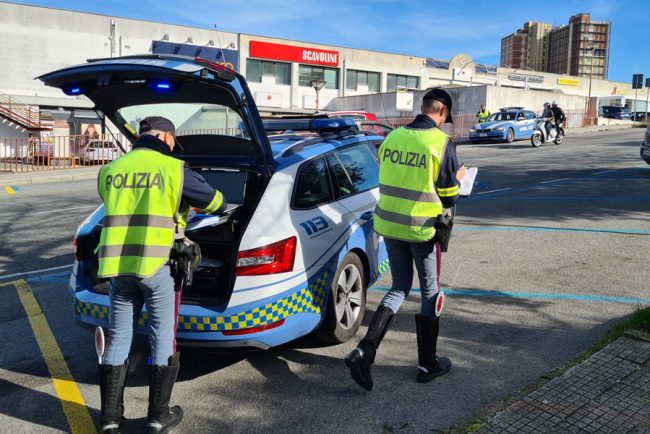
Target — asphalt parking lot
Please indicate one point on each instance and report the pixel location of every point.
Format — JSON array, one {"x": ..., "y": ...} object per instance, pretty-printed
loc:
[{"x": 547, "y": 254}]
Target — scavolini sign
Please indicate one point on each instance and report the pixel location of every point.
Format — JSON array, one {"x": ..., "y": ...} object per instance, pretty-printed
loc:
[{"x": 294, "y": 53}]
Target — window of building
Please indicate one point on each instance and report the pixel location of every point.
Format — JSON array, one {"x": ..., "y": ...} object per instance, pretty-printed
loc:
[
  {"x": 362, "y": 78},
  {"x": 402, "y": 82},
  {"x": 312, "y": 185},
  {"x": 256, "y": 69},
  {"x": 307, "y": 73}
]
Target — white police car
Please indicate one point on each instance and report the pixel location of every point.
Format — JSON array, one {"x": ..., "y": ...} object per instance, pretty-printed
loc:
[
  {"x": 508, "y": 124},
  {"x": 296, "y": 254}
]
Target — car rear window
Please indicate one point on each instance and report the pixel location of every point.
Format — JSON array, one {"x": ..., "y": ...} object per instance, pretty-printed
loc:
[{"x": 190, "y": 118}]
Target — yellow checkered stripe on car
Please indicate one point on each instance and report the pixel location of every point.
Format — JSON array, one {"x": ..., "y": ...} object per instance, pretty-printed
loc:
[
  {"x": 307, "y": 300},
  {"x": 384, "y": 267},
  {"x": 90, "y": 309}
]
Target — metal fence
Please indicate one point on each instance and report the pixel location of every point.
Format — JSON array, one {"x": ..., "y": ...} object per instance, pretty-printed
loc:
[
  {"x": 57, "y": 152},
  {"x": 66, "y": 152}
]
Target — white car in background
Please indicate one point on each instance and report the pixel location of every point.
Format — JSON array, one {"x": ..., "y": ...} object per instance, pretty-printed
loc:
[{"x": 98, "y": 152}]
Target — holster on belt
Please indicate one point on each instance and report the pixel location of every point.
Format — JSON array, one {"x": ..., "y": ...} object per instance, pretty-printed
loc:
[
  {"x": 184, "y": 259},
  {"x": 443, "y": 225}
]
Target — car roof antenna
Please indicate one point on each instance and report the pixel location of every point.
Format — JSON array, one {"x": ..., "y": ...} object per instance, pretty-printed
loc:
[{"x": 223, "y": 56}]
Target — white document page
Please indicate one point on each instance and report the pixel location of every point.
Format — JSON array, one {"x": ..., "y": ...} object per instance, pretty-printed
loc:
[
  {"x": 467, "y": 183},
  {"x": 199, "y": 221}
]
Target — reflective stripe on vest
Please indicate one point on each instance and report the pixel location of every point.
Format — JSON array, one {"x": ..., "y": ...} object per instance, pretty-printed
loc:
[
  {"x": 409, "y": 167},
  {"x": 142, "y": 194}
]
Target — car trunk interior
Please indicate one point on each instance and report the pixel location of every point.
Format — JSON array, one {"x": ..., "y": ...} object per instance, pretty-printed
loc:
[{"x": 214, "y": 277}]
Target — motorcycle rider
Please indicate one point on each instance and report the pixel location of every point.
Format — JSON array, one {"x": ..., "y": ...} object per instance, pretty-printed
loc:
[
  {"x": 547, "y": 115},
  {"x": 558, "y": 116}
]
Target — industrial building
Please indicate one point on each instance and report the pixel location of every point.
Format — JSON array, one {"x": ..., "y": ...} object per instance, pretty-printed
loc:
[{"x": 36, "y": 40}]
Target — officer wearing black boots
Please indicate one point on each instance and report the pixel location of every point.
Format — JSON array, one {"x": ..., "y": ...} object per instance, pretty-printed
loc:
[
  {"x": 142, "y": 222},
  {"x": 411, "y": 216}
]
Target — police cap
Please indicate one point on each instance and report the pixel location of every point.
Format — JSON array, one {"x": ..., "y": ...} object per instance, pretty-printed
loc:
[
  {"x": 157, "y": 123},
  {"x": 442, "y": 96}
]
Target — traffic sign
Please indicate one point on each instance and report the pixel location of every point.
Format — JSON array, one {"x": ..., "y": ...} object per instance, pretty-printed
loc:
[{"x": 637, "y": 81}]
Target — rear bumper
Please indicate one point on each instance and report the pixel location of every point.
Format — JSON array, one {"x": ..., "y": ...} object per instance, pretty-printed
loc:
[{"x": 208, "y": 326}]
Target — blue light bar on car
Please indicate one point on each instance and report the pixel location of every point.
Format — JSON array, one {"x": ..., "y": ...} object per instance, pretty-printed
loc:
[
  {"x": 72, "y": 90},
  {"x": 309, "y": 124},
  {"x": 160, "y": 86}
]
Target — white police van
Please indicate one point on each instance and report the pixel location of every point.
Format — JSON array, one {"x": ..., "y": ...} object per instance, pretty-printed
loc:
[{"x": 297, "y": 251}]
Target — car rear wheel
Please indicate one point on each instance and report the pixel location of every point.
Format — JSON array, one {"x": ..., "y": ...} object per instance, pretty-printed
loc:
[
  {"x": 510, "y": 136},
  {"x": 346, "y": 303}
]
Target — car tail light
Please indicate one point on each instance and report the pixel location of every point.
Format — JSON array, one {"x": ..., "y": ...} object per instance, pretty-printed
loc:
[
  {"x": 253, "y": 329},
  {"x": 271, "y": 259},
  {"x": 75, "y": 249}
]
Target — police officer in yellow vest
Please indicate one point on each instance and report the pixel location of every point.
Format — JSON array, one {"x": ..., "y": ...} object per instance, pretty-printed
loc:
[
  {"x": 483, "y": 114},
  {"x": 418, "y": 177},
  {"x": 144, "y": 193}
]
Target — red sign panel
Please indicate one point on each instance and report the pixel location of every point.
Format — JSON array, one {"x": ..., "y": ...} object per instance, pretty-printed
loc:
[{"x": 292, "y": 53}]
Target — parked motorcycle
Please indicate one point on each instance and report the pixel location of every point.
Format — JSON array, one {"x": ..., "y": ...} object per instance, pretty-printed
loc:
[{"x": 540, "y": 135}]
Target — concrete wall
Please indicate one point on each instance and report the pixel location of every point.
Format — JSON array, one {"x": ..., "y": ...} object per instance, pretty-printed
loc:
[
  {"x": 384, "y": 105},
  {"x": 13, "y": 141},
  {"x": 35, "y": 40},
  {"x": 467, "y": 101},
  {"x": 531, "y": 99}
]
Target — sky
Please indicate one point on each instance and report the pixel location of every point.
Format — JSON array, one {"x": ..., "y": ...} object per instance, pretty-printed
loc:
[{"x": 428, "y": 28}]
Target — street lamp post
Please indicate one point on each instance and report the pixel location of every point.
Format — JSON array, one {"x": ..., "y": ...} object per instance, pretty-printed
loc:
[
  {"x": 317, "y": 84},
  {"x": 591, "y": 71}
]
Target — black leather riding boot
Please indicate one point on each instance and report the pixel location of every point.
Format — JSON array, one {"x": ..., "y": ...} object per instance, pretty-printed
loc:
[
  {"x": 430, "y": 366},
  {"x": 112, "y": 380},
  {"x": 363, "y": 356},
  {"x": 160, "y": 416}
]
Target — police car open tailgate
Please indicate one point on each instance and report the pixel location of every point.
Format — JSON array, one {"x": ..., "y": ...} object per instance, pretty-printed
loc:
[{"x": 115, "y": 83}]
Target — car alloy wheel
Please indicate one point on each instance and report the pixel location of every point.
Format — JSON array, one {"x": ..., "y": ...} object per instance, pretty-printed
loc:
[
  {"x": 510, "y": 137},
  {"x": 346, "y": 303},
  {"x": 349, "y": 297}
]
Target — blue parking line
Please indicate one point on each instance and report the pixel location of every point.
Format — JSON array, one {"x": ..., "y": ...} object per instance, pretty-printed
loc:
[
  {"x": 591, "y": 177},
  {"x": 532, "y": 295},
  {"x": 625, "y": 198},
  {"x": 546, "y": 229},
  {"x": 58, "y": 277}
]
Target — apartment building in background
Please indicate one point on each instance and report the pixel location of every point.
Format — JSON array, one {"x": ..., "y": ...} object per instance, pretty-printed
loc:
[
  {"x": 514, "y": 49},
  {"x": 536, "y": 56},
  {"x": 580, "y": 48}
]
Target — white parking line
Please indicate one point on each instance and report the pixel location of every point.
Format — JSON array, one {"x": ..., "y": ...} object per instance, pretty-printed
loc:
[
  {"x": 494, "y": 191},
  {"x": 65, "y": 209},
  {"x": 554, "y": 180},
  {"x": 24, "y": 273},
  {"x": 606, "y": 171}
]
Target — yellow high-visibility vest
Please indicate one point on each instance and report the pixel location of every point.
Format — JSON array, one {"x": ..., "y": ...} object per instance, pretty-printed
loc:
[
  {"x": 142, "y": 194},
  {"x": 409, "y": 166}
]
